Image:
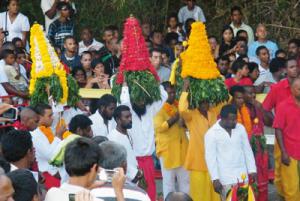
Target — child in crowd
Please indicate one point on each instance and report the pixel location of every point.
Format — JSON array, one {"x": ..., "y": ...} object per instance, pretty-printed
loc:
[
  {"x": 240, "y": 71},
  {"x": 263, "y": 55},
  {"x": 23, "y": 61},
  {"x": 173, "y": 26}
]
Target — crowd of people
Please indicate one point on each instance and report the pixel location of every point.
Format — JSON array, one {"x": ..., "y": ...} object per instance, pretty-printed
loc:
[{"x": 107, "y": 150}]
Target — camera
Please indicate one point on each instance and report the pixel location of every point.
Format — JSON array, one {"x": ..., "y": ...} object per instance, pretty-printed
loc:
[{"x": 6, "y": 33}]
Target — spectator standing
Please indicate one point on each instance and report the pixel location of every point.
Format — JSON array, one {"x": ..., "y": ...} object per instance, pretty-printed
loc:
[
  {"x": 13, "y": 23},
  {"x": 286, "y": 124},
  {"x": 226, "y": 167},
  {"x": 238, "y": 24},
  {"x": 70, "y": 56},
  {"x": 262, "y": 34},
  {"x": 88, "y": 42},
  {"x": 156, "y": 61},
  {"x": 62, "y": 27},
  {"x": 171, "y": 144},
  {"x": 191, "y": 10}
]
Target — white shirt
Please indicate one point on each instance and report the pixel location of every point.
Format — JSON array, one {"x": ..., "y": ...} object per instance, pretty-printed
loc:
[
  {"x": 246, "y": 28},
  {"x": 197, "y": 14},
  {"x": 126, "y": 141},
  {"x": 94, "y": 46},
  {"x": 62, "y": 193},
  {"x": 15, "y": 29},
  {"x": 142, "y": 131},
  {"x": 228, "y": 157},
  {"x": 3, "y": 78},
  {"x": 44, "y": 151},
  {"x": 98, "y": 126}
]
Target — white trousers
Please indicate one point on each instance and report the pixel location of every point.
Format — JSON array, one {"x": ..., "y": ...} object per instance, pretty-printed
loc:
[{"x": 170, "y": 177}]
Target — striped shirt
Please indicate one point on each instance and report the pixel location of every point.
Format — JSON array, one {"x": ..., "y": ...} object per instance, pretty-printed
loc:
[{"x": 59, "y": 30}]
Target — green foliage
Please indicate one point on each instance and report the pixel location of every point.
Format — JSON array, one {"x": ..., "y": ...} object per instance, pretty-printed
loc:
[
  {"x": 258, "y": 143},
  {"x": 116, "y": 90},
  {"x": 40, "y": 95},
  {"x": 73, "y": 93},
  {"x": 143, "y": 87}
]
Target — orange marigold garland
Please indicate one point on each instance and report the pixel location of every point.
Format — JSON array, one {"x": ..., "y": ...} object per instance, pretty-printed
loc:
[
  {"x": 244, "y": 118},
  {"x": 171, "y": 109},
  {"x": 48, "y": 133}
]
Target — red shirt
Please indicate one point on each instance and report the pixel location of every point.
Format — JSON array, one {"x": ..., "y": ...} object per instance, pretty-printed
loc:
[
  {"x": 245, "y": 81},
  {"x": 277, "y": 94},
  {"x": 288, "y": 121}
]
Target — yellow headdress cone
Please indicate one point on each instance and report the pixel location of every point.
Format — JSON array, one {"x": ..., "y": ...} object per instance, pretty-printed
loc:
[{"x": 197, "y": 60}]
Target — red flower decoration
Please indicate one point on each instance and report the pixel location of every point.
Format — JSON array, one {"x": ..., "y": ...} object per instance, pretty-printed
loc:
[{"x": 135, "y": 55}]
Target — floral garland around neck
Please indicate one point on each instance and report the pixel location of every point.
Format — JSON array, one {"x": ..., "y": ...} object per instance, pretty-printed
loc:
[
  {"x": 48, "y": 133},
  {"x": 244, "y": 118},
  {"x": 171, "y": 109}
]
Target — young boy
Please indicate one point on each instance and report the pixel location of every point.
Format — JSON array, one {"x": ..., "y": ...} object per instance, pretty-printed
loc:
[
  {"x": 61, "y": 27},
  {"x": 263, "y": 55},
  {"x": 241, "y": 71},
  {"x": 70, "y": 56}
]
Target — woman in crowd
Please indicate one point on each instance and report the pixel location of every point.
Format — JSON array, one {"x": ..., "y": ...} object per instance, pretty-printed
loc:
[
  {"x": 100, "y": 80},
  {"x": 227, "y": 43}
]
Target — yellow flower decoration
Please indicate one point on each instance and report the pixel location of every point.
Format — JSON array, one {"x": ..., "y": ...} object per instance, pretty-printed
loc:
[{"x": 197, "y": 60}]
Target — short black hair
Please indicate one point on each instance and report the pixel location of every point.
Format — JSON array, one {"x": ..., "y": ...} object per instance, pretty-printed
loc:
[
  {"x": 79, "y": 121},
  {"x": 24, "y": 184},
  {"x": 238, "y": 65},
  {"x": 85, "y": 52},
  {"x": 69, "y": 37},
  {"x": 236, "y": 8},
  {"x": 276, "y": 64},
  {"x": 228, "y": 109},
  {"x": 279, "y": 51},
  {"x": 5, "y": 53},
  {"x": 295, "y": 41},
  {"x": 241, "y": 31},
  {"x": 15, "y": 145},
  {"x": 79, "y": 68},
  {"x": 20, "y": 51},
  {"x": 62, "y": 4},
  {"x": 4, "y": 164},
  {"x": 167, "y": 84},
  {"x": 154, "y": 32},
  {"x": 106, "y": 100},
  {"x": 155, "y": 50},
  {"x": 178, "y": 196},
  {"x": 240, "y": 38},
  {"x": 173, "y": 15},
  {"x": 257, "y": 52},
  {"x": 95, "y": 62},
  {"x": 15, "y": 40},
  {"x": 41, "y": 107},
  {"x": 224, "y": 58},
  {"x": 293, "y": 58},
  {"x": 118, "y": 111},
  {"x": 252, "y": 66},
  {"x": 171, "y": 36},
  {"x": 235, "y": 89},
  {"x": 80, "y": 156},
  {"x": 111, "y": 28}
]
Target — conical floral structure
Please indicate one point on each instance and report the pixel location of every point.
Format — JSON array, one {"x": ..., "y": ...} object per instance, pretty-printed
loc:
[
  {"x": 135, "y": 66},
  {"x": 48, "y": 77}
]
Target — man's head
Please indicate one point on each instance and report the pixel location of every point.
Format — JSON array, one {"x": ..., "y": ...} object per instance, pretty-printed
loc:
[
  {"x": 188, "y": 26},
  {"x": 81, "y": 125},
  {"x": 240, "y": 68},
  {"x": 178, "y": 196},
  {"x": 229, "y": 116},
  {"x": 17, "y": 146},
  {"x": 108, "y": 34},
  {"x": 156, "y": 37},
  {"x": 170, "y": 89},
  {"x": 253, "y": 71},
  {"x": 241, "y": 46},
  {"x": 146, "y": 29},
  {"x": 191, "y": 4},
  {"x": 292, "y": 68},
  {"x": 139, "y": 108},
  {"x": 294, "y": 47},
  {"x": 64, "y": 8},
  {"x": 24, "y": 184},
  {"x": 277, "y": 68},
  {"x": 70, "y": 44},
  {"x": 45, "y": 114},
  {"x": 29, "y": 118},
  {"x": 106, "y": 106},
  {"x": 114, "y": 155},
  {"x": 6, "y": 189},
  {"x": 223, "y": 65},
  {"x": 155, "y": 57},
  {"x": 237, "y": 93},
  {"x": 261, "y": 32},
  {"x": 86, "y": 35},
  {"x": 263, "y": 54},
  {"x": 295, "y": 88},
  {"x": 249, "y": 95},
  {"x": 236, "y": 15},
  {"x": 171, "y": 39},
  {"x": 82, "y": 158},
  {"x": 280, "y": 54},
  {"x": 123, "y": 117},
  {"x": 242, "y": 34}
]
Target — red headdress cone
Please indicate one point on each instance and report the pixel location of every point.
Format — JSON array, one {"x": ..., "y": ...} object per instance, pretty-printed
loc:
[{"x": 135, "y": 55}]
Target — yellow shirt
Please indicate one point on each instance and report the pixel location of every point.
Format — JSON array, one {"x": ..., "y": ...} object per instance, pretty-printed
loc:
[
  {"x": 198, "y": 126},
  {"x": 171, "y": 142}
]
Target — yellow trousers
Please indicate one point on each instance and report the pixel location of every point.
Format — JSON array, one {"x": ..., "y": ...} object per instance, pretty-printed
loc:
[
  {"x": 277, "y": 171},
  {"x": 290, "y": 181},
  {"x": 201, "y": 187}
]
